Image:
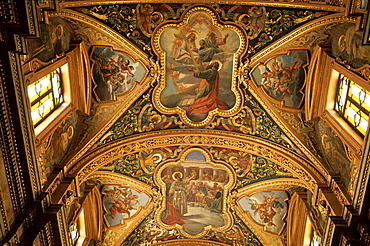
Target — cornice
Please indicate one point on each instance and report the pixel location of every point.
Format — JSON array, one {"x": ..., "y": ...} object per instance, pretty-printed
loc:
[{"x": 9, "y": 147}]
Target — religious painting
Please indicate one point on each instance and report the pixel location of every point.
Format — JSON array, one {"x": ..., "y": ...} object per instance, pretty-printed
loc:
[
  {"x": 200, "y": 57},
  {"x": 195, "y": 192},
  {"x": 114, "y": 73},
  {"x": 54, "y": 40},
  {"x": 121, "y": 203},
  {"x": 267, "y": 208},
  {"x": 283, "y": 77},
  {"x": 347, "y": 45},
  {"x": 56, "y": 146},
  {"x": 335, "y": 153}
]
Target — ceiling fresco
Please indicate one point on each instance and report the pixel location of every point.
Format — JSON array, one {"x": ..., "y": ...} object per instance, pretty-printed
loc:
[
  {"x": 262, "y": 25},
  {"x": 252, "y": 119},
  {"x": 114, "y": 73},
  {"x": 196, "y": 134}
]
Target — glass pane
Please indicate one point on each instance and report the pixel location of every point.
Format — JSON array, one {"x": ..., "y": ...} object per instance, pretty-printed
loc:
[
  {"x": 57, "y": 86},
  {"x": 35, "y": 116},
  {"x": 350, "y": 113},
  {"x": 342, "y": 94},
  {"x": 362, "y": 127},
  {"x": 46, "y": 104},
  {"x": 38, "y": 88},
  {"x": 353, "y": 104},
  {"x": 45, "y": 95},
  {"x": 359, "y": 95},
  {"x": 42, "y": 108}
]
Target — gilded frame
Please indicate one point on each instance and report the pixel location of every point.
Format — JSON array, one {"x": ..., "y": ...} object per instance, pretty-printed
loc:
[
  {"x": 226, "y": 190},
  {"x": 184, "y": 21}
]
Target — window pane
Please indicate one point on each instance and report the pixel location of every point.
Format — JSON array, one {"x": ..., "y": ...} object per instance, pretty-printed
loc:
[
  {"x": 363, "y": 125},
  {"x": 57, "y": 86},
  {"x": 360, "y": 95},
  {"x": 353, "y": 104},
  {"x": 45, "y": 96},
  {"x": 38, "y": 88},
  {"x": 342, "y": 93}
]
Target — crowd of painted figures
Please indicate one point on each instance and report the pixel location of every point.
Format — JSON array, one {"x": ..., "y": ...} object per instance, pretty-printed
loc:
[{"x": 182, "y": 193}]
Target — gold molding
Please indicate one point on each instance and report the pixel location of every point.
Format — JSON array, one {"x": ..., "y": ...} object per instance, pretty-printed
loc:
[
  {"x": 120, "y": 44},
  {"x": 19, "y": 200},
  {"x": 329, "y": 230},
  {"x": 189, "y": 242},
  {"x": 291, "y": 4},
  {"x": 361, "y": 190},
  {"x": 102, "y": 28},
  {"x": 119, "y": 233},
  {"x": 268, "y": 185},
  {"x": 123, "y": 179},
  {"x": 335, "y": 18},
  {"x": 291, "y": 135},
  {"x": 298, "y": 165}
]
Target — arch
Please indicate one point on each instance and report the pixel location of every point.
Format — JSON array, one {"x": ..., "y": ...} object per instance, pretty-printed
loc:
[{"x": 298, "y": 165}]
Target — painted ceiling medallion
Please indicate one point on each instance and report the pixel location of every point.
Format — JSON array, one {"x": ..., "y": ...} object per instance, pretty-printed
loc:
[
  {"x": 198, "y": 57},
  {"x": 195, "y": 190}
]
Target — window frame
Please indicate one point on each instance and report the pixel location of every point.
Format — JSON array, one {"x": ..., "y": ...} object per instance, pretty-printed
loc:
[
  {"x": 321, "y": 91},
  {"x": 55, "y": 117},
  {"x": 342, "y": 128},
  {"x": 76, "y": 87},
  {"x": 62, "y": 75}
]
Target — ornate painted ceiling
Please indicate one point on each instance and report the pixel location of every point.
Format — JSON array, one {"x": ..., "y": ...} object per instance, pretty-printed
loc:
[{"x": 197, "y": 132}]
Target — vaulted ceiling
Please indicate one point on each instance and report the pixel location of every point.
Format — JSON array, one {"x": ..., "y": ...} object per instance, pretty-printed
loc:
[{"x": 196, "y": 123}]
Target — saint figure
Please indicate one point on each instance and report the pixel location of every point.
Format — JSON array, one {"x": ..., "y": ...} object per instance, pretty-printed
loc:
[{"x": 207, "y": 98}]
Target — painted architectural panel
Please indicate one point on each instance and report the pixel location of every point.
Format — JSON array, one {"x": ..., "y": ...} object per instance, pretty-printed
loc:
[
  {"x": 283, "y": 77},
  {"x": 121, "y": 203},
  {"x": 195, "y": 191},
  {"x": 114, "y": 73},
  {"x": 267, "y": 208}
]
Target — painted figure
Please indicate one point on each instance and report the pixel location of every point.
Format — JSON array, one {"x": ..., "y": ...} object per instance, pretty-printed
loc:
[
  {"x": 267, "y": 209},
  {"x": 283, "y": 77},
  {"x": 176, "y": 202},
  {"x": 193, "y": 200},
  {"x": 207, "y": 98},
  {"x": 210, "y": 46},
  {"x": 195, "y": 45},
  {"x": 114, "y": 73},
  {"x": 123, "y": 201},
  {"x": 187, "y": 51}
]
